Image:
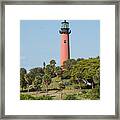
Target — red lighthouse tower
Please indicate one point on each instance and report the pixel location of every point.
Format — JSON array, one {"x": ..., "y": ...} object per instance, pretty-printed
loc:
[{"x": 65, "y": 49}]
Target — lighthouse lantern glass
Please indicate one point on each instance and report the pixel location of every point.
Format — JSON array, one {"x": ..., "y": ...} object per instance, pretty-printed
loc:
[{"x": 65, "y": 25}]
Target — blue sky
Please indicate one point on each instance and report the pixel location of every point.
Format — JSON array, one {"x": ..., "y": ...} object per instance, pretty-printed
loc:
[{"x": 40, "y": 41}]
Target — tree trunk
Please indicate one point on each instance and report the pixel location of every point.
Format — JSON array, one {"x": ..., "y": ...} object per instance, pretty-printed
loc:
[
  {"x": 46, "y": 90},
  {"x": 61, "y": 95},
  {"x": 36, "y": 92},
  {"x": 28, "y": 88},
  {"x": 80, "y": 88},
  {"x": 92, "y": 85}
]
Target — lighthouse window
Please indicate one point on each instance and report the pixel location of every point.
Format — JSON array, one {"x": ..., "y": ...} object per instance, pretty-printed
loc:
[{"x": 64, "y": 41}]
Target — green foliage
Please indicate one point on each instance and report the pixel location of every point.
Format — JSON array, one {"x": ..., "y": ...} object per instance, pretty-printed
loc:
[
  {"x": 69, "y": 63},
  {"x": 87, "y": 94},
  {"x": 90, "y": 94},
  {"x": 44, "y": 64},
  {"x": 23, "y": 71},
  {"x": 81, "y": 74},
  {"x": 79, "y": 59},
  {"x": 87, "y": 69},
  {"x": 46, "y": 79},
  {"x": 65, "y": 74},
  {"x": 52, "y": 63},
  {"x": 37, "y": 82},
  {"x": 38, "y": 71},
  {"x": 44, "y": 97},
  {"x": 29, "y": 78},
  {"x": 58, "y": 71},
  {"x": 30, "y": 97},
  {"x": 61, "y": 85},
  {"x": 70, "y": 97},
  {"x": 26, "y": 97},
  {"x": 49, "y": 70},
  {"x": 23, "y": 83}
]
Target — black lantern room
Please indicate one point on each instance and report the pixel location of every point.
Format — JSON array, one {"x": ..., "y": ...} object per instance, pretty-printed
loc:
[{"x": 65, "y": 28}]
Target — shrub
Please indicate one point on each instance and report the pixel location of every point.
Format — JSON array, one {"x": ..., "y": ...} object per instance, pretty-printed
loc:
[
  {"x": 70, "y": 97},
  {"x": 44, "y": 97},
  {"x": 26, "y": 97},
  {"x": 90, "y": 94},
  {"x": 30, "y": 97}
]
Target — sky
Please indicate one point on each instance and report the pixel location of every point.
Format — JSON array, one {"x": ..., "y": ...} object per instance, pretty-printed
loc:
[{"x": 40, "y": 41}]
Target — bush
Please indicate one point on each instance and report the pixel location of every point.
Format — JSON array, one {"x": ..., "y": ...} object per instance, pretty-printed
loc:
[
  {"x": 30, "y": 97},
  {"x": 26, "y": 97},
  {"x": 70, "y": 97},
  {"x": 76, "y": 87},
  {"x": 44, "y": 97},
  {"x": 90, "y": 94}
]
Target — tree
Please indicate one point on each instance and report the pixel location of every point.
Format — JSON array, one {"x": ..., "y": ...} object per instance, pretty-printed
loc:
[
  {"x": 23, "y": 82},
  {"x": 61, "y": 87},
  {"x": 38, "y": 71},
  {"x": 98, "y": 57},
  {"x": 79, "y": 59},
  {"x": 48, "y": 70},
  {"x": 52, "y": 63},
  {"x": 23, "y": 71},
  {"x": 58, "y": 71},
  {"x": 30, "y": 77},
  {"x": 44, "y": 65},
  {"x": 65, "y": 74},
  {"x": 69, "y": 63},
  {"x": 37, "y": 83},
  {"x": 46, "y": 81},
  {"x": 29, "y": 80},
  {"x": 74, "y": 72}
]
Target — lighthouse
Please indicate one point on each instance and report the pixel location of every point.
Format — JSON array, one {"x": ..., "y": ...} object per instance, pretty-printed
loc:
[{"x": 65, "y": 47}]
